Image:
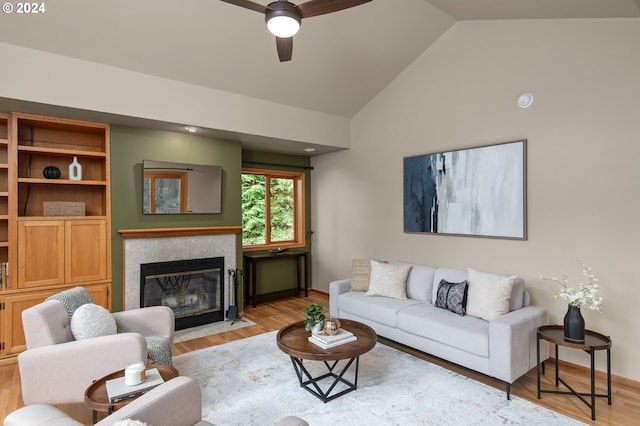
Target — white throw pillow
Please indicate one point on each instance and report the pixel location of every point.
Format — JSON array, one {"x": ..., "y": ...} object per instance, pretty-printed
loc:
[
  {"x": 388, "y": 280},
  {"x": 489, "y": 295},
  {"x": 129, "y": 422},
  {"x": 91, "y": 320}
]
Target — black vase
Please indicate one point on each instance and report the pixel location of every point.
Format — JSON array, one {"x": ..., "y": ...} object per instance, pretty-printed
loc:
[
  {"x": 574, "y": 325},
  {"x": 51, "y": 172}
]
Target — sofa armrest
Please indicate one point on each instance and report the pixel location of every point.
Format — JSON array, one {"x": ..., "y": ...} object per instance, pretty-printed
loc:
[
  {"x": 176, "y": 402},
  {"x": 60, "y": 374},
  {"x": 150, "y": 321},
  {"x": 336, "y": 288},
  {"x": 512, "y": 343}
]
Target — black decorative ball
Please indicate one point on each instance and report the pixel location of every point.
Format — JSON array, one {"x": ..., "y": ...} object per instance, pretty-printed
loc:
[{"x": 51, "y": 172}]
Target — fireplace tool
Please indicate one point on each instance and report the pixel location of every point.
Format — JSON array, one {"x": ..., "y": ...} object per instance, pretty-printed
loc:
[{"x": 232, "y": 313}]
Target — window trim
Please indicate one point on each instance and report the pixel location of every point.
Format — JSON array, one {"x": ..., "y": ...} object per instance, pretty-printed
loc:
[
  {"x": 299, "y": 182},
  {"x": 180, "y": 176}
]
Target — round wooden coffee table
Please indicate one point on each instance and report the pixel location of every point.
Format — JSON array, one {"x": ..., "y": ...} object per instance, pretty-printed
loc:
[
  {"x": 294, "y": 341},
  {"x": 96, "y": 398}
]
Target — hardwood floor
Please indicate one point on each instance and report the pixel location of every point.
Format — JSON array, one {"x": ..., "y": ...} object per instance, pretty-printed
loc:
[{"x": 270, "y": 316}]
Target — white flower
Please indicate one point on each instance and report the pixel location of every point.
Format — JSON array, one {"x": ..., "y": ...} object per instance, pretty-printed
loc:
[{"x": 586, "y": 295}]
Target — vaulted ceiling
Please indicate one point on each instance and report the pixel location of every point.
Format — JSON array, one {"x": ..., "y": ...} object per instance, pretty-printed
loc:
[{"x": 340, "y": 61}]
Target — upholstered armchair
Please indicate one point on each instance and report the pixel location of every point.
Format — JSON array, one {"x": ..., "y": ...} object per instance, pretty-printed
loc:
[
  {"x": 57, "y": 369},
  {"x": 176, "y": 403}
]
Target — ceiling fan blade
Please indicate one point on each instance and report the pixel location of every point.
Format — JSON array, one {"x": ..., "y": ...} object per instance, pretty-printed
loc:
[
  {"x": 285, "y": 48},
  {"x": 321, "y": 7},
  {"x": 248, "y": 4}
]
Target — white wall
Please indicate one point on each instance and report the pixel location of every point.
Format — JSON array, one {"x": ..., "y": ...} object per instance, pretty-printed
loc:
[
  {"x": 35, "y": 76},
  {"x": 583, "y": 174}
]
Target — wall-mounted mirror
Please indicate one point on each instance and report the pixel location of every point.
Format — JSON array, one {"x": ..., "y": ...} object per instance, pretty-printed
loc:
[{"x": 179, "y": 188}]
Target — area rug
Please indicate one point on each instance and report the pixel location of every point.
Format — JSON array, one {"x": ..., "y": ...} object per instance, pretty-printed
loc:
[
  {"x": 209, "y": 329},
  {"x": 251, "y": 382}
]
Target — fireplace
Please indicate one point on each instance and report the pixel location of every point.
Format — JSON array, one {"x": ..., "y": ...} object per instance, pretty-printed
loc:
[{"x": 193, "y": 289}]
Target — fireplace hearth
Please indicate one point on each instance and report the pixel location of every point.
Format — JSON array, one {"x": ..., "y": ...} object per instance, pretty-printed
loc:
[{"x": 193, "y": 289}]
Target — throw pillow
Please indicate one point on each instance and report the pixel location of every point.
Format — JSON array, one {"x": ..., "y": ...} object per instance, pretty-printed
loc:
[
  {"x": 489, "y": 295},
  {"x": 129, "y": 422},
  {"x": 159, "y": 350},
  {"x": 388, "y": 280},
  {"x": 72, "y": 299},
  {"x": 360, "y": 274},
  {"x": 91, "y": 320},
  {"x": 452, "y": 296}
]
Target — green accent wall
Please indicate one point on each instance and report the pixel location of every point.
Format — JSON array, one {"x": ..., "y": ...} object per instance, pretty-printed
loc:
[
  {"x": 281, "y": 275},
  {"x": 129, "y": 147}
]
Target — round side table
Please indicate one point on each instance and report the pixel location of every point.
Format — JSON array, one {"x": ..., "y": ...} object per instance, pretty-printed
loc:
[{"x": 592, "y": 342}]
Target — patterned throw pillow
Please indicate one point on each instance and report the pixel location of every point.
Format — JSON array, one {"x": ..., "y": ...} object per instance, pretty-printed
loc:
[
  {"x": 72, "y": 299},
  {"x": 452, "y": 296}
]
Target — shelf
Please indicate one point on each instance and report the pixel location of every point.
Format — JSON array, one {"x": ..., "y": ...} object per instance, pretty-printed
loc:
[
  {"x": 39, "y": 218},
  {"x": 61, "y": 152},
  {"x": 4, "y": 194},
  {"x": 4, "y": 244},
  {"x": 4, "y": 141},
  {"x": 4, "y": 216},
  {"x": 62, "y": 182}
]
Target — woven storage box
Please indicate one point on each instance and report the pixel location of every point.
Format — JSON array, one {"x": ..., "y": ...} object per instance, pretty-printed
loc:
[{"x": 64, "y": 208}]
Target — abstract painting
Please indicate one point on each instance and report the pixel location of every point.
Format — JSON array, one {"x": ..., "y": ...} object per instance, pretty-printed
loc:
[{"x": 473, "y": 192}]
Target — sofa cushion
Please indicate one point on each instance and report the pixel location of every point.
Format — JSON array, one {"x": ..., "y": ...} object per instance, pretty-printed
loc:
[
  {"x": 91, "y": 320},
  {"x": 465, "y": 333},
  {"x": 489, "y": 295},
  {"x": 360, "y": 274},
  {"x": 452, "y": 296},
  {"x": 388, "y": 280},
  {"x": 383, "y": 310},
  {"x": 420, "y": 282}
]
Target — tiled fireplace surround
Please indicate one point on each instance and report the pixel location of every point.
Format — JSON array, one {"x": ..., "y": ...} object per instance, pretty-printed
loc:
[{"x": 169, "y": 244}]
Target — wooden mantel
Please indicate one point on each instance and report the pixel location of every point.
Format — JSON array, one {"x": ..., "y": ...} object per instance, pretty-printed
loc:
[{"x": 178, "y": 232}]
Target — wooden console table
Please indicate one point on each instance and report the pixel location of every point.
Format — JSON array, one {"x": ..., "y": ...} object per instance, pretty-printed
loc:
[{"x": 251, "y": 261}]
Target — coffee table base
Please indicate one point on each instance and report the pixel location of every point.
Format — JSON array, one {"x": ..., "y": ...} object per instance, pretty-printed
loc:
[{"x": 311, "y": 384}]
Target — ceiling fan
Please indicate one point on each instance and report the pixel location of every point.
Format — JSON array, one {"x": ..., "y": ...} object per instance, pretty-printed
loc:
[{"x": 283, "y": 18}]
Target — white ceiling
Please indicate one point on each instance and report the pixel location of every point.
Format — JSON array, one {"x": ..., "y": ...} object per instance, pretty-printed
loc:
[{"x": 340, "y": 61}]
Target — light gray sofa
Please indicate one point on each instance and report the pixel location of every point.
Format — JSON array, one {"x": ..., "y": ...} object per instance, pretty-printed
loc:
[{"x": 503, "y": 348}]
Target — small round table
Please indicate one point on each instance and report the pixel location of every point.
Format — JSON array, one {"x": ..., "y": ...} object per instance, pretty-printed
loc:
[
  {"x": 96, "y": 398},
  {"x": 592, "y": 342},
  {"x": 294, "y": 341}
]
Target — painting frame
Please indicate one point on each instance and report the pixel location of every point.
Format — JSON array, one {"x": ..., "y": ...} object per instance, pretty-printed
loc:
[{"x": 473, "y": 192}]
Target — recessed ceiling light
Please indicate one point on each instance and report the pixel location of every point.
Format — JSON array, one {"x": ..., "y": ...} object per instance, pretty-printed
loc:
[
  {"x": 309, "y": 149},
  {"x": 191, "y": 129}
]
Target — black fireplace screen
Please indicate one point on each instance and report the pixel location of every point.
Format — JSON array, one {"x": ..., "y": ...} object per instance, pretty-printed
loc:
[{"x": 193, "y": 289}]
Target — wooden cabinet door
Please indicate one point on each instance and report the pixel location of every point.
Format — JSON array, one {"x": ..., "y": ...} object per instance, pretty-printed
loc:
[
  {"x": 40, "y": 253},
  {"x": 12, "y": 334},
  {"x": 86, "y": 250}
]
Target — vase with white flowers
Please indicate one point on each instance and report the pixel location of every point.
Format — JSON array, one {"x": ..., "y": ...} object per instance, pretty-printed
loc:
[{"x": 586, "y": 295}]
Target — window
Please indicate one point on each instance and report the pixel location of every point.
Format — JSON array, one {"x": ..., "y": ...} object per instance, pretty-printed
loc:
[
  {"x": 169, "y": 191},
  {"x": 272, "y": 209}
]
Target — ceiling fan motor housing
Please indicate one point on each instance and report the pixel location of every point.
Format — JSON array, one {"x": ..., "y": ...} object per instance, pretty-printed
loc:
[{"x": 284, "y": 9}]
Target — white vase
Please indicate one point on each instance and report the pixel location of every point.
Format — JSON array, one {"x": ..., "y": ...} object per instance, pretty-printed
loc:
[
  {"x": 75, "y": 170},
  {"x": 316, "y": 328}
]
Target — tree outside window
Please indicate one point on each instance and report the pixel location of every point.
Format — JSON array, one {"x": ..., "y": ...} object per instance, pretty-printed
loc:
[{"x": 275, "y": 195}]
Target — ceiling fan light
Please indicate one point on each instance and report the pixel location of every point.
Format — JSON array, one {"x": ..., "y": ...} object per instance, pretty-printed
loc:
[
  {"x": 283, "y": 26},
  {"x": 283, "y": 20}
]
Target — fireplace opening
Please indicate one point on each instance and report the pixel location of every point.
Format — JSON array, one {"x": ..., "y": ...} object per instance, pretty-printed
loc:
[{"x": 193, "y": 289}]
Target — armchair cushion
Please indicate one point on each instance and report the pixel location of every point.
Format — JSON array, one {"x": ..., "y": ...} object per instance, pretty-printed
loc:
[
  {"x": 91, "y": 320},
  {"x": 72, "y": 299}
]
